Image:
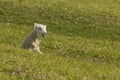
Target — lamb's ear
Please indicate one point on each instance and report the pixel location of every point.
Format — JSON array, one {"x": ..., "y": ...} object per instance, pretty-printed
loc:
[
  {"x": 35, "y": 25},
  {"x": 45, "y": 25}
]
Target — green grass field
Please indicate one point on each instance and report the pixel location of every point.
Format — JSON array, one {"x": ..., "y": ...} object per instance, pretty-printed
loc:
[{"x": 83, "y": 40}]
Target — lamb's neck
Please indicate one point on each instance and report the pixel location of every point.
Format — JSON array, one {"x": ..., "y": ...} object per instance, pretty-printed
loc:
[{"x": 34, "y": 34}]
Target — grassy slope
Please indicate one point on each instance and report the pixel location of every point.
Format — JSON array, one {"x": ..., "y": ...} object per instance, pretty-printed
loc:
[{"x": 82, "y": 43}]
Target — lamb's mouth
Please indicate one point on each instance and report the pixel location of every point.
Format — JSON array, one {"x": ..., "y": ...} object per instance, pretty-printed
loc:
[{"x": 43, "y": 35}]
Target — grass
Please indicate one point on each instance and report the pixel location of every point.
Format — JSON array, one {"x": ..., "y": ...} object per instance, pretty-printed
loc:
[{"x": 82, "y": 43}]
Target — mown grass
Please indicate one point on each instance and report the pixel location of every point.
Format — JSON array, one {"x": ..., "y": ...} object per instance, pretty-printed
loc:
[{"x": 82, "y": 43}]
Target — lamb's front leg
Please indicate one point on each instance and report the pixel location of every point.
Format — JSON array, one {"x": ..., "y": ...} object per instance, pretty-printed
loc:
[
  {"x": 36, "y": 46},
  {"x": 37, "y": 49}
]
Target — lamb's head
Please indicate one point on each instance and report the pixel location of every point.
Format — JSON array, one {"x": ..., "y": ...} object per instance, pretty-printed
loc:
[{"x": 41, "y": 29}]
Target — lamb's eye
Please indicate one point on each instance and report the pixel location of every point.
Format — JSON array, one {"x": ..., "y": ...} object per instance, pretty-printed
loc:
[{"x": 39, "y": 28}]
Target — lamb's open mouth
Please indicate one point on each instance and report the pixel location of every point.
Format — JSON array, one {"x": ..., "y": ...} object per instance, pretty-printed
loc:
[{"x": 43, "y": 35}]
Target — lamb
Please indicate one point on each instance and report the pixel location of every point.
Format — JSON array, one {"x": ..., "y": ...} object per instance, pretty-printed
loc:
[{"x": 31, "y": 41}]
